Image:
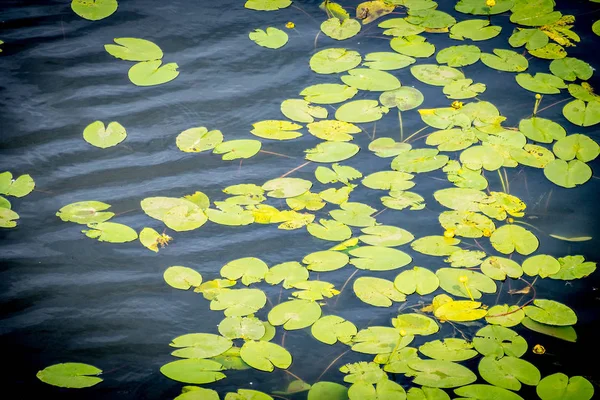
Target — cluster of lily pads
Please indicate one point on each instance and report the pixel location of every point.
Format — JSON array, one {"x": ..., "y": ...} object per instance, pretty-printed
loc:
[
  {"x": 474, "y": 212},
  {"x": 19, "y": 187}
]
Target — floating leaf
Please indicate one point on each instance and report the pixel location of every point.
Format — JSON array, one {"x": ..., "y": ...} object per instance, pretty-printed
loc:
[
  {"x": 354, "y": 214},
  {"x": 459, "y": 310},
  {"x": 369, "y": 11},
  {"x": 98, "y": 135},
  {"x": 266, "y": 5},
  {"x": 531, "y": 38},
  {"x": 450, "y": 349},
  {"x": 331, "y": 328},
  {"x": 430, "y": 18},
  {"x": 182, "y": 277},
  {"x": 400, "y": 27},
  {"x": 465, "y": 258},
  {"x": 499, "y": 205},
  {"x": 195, "y": 140},
  {"x": 497, "y": 341},
  {"x": 330, "y": 230},
  {"x": 375, "y": 340},
  {"x": 441, "y": 374},
  {"x": 460, "y": 199},
  {"x": 541, "y": 83},
  {"x": 452, "y": 139},
  {"x": 435, "y": 245},
  {"x": 415, "y": 324},
  {"x": 384, "y": 235},
  {"x": 499, "y": 268},
  {"x": 551, "y": 312},
  {"x": 397, "y": 362},
  {"x": 360, "y": 111},
  {"x": 465, "y": 283},
  {"x": 70, "y": 375},
  {"x": 277, "y": 130},
  {"x": 85, "y": 212},
  {"x": 387, "y": 61},
  {"x": 328, "y": 152},
  {"x": 371, "y": 79},
  {"x": 505, "y": 315},
  {"x": 509, "y": 238},
  {"x": 363, "y": 372},
  {"x": 505, "y": 60},
  {"x": 551, "y": 51},
  {"x": 247, "y": 328},
  {"x": 541, "y": 129},
  {"x": 197, "y": 393},
  {"x": 399, "y": 200},
  {"x": 561, "y": 332},
  {"x": 427, "y": 393},
  {"x": 295, "y": 314},
  {"x": 265, "y": 356},
  {"x": 249, "y": 269},
  {"x": 376, "y": 291},
  {"x": 573, "y": 267},
  {"x": 336, "y": 196},
  {"x": 248, "y": 394},
  {"x": 110, "y": 232},
  {"x": 463, "y": 89},
  {"x": 94, "y": 10},
  {"x": 486, "y": 392},
  {"x": 388, "y": 180},
  {"x": 583, "y": 92},
  {"x": 134, "y": 49},
  {"x": 582, "y": 114},
  {"x": 282, "y": 188},
  {"x": 8, "y": 218},
  {"x": 569, "y": 174},
  {"x": 576, "y": 145},
  {"x": 436, "y": 75},
  {"x": 211, "y": 289},
  {"x": 339, "y": 173},
  {"x": 19, "y": 187},
  {"x": 234, "y": 149},
  {"x": 480, "y": 7},
  {"x": 328, "y": 93},
  {"x": 272, "y": 38},
  {"x": 287, "y": 273},
  {"x": 419, "y": 280},
  {"x": 301, "y": 111},
  {"x": 570, "y": 69},
  {"x": 323, "y": 261},
  {"x": 239, "y": 302},
  {"x": 412, "y": 46},
  {"x": 474, "y": 29},
  {"x": 340, "y": 29},
  {"x": 334, "y": 60},
  {"x": 559, "y": 386},
  {"x": 466, "y": 223},
  {"x": 200, "y": 345},
  {"x": 308, "y": 200},
  {"x": 336, "y": 131},
  {"x": 508, "y": 372},
  {"x": 328, "y": 390},
  {"x": 405, "y": 98},
  {"x": 477, "y": 157},
  {"x": 197, "y": 371},
  {"x": 151, "y": 73},
  {"x": 314, "y": 290},
  {"x": 419, "y": 160}
]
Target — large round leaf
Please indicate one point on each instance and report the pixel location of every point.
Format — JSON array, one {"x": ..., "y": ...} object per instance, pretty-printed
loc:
[
  {"x": 150, "y": 73},
  {"x": 239, "y": 302},
  {"x": 359, "y": 111},
  {"x": 182, "y": 277},
  {"x": 265, "y": 356},
  {"x": 418, "y": 279},
  {"x": 330, "y": 152},
  {"x": 570, "y": 69},
  {"x": 441, "y": 374},
  {"x": 340, "y": 29},
  {"x": 465, "y": 283},
  {"x": 559, "y": 386},
  {"x": 405, "y": 98},
  {"x": 583, "y": 114},
  {"x": 376, "y": 291},
  {"x": 198, "y": 139},
  {"x": 94, "y": 10},
  {"x": 197, "y": 371},
  {"x": 371, "y": 79},
  {"x": 436, "y": 75},
  {"x": 200, "y": 345},
  {"x": 567, "y": 174},
  {"x": 282, "y": 188},
  {"x": 70, "y": 375},
  {"x": 328, "y": 93},
  {"x": 331, "y": 61},
  {"x": 508, "y": 372},
  {"x": 98, "y": 135},
  {"x": 551, "y": 312},
  {"x": 509, "y": 238},
  {"x": 505, "y": 60},
  {"x": 413, "y": 46},
  {"x": 576, "y": 145},
  {"x": 272, "y": 38},
  {"x": 295, "y": 314},
  {"x": 378, "y": 258},
  {"x": 134, "y": 49}
]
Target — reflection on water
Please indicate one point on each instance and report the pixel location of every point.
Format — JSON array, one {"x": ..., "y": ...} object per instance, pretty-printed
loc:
[{"x": 67, "y": 298}]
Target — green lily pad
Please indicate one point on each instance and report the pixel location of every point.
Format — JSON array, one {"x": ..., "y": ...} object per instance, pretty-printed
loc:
[
  {"x": 400, "y": 27},
  {"x": 551, "y": 51},
  {"x": 415, "y": 324},
  {"x": 229, "y": 214},
  {"x": 19, "y": 187},
  {"x": 333, "y": 130},
  {"x": 498, "y": 341},
  {"x": 330, "y": 152},
  {"x": 8, "y": 218},
  {"x": 389, "y": 180},
  {"x": 435, "y": 245},
  {"x": 450, "y": 349},
  {"x": 441, "y": 374},
  {"x": 195, "y": 140},
  {"x": 505, "y": 315},
  {"x": 531, "y": 38},
  {"x": 247, "y": 394},
  {"x": 436, "y": 75},
  {"x": 541, "y": 83},
  {"x": 397, "y": 362},
  {"x": 418, "y": 279},
  {"x": 486, "y": 157},
  {"x": 272, "y": 38},
  {"x": 571, "y": 68},
  {"x": 110, "y": 232},
  {"x": 327, "y": 390},
  {"x": 566, "y": 333},
  {"x": 234, "y": 149},
  {"x": 426, "y": 393},
  {"x": 363, "y": 372},
  {"x": 465, "y": 283},
  {"x": 330, "y": 230},
  {"x": 559, "y": 386},
  {"x": 534, "y": 15},
  {"x": 387, "y": 61},
  {"x": 328, "y": 93},
  {"x": 287, "y": 273},
  {"x": 479, "y": 7},
  {"x": 266, "y": 5},
  {"x": 200, "y": 345},
  {"x": 412, "y": 46},
  {"x": 509, "y": 238},
  {"x": 505, "y": 60},
  {"x": 94, "y": 10},
  {"x": 98, "y": 135},
  {"x": 360, "y": 111},
  {"x": 151, "y": 73},
  {"x": 465, "y": 258},
  {"x": 265, "y": 356},
  {"x": 182, "y": 277},
  {"x": 385, "y": 235},
  {"x": 466, "y": 223},
  {"x": 338, "y": 173},
  {"x": 314, "y": 290},
  {"x": 308, "y": 200},
  {"x": 376, "y": 340},
  {"x": 551, "y": 312},
  {"x": 463, "y": 89},
  {"x": 452, "y": 139},
  {"x": 474, "y": 29},
  {"x": 331, "y": 329},
  {"x": 192, "y": 370},
  {"x": 596, "y": 28},
  {"x": 282, "y": 188},
  {"x": 134, "y": 49},
  {"x": 430, "y": 18},
  {"x": 211, "y": 289},
  {"x": 334, "y": 60},
  {"x": 249, "y": 269},
  {"x": 340, "y": 29},
  {"x": 400, "y": 199},
  {"x": 508, "y": 372},
  {"x": 197, "y": 393},
  {"x": 277, "y": 130},
  {"x": 458, "y": 56},
  {"x": 239, "y": 302},
  {"x": 583, "y": 92},
  {"x": 354, "y": 214},
  {"x": 419, "y": 160},
  {"x": 486, "y": 392},
  {"x": 70, "y": 375},
  {"x": 576, "y": 145},
  {"x": 247, "y": 328},
  {"x": 378, "y": 258},
  {"x": 85, "y": 212},
  {"x": 301, "y": 111},
  {"x": 376, "y": 291},
  {"x": 405, "y": 98},
  {"x": 581, "y": 113},
  {"x": 336, "y": 196},
  {"x": 573, "y": 267},
  {"x": 460, "y": 199},
  {"x": 371, "y": 79},
  {"x": 568, "y": 174},
  {"x": 541, "y": 129},
  {"x": 499, "y": 268},
  {"x": 295, "y": 314},
  {"x": 532, "y": 155}
]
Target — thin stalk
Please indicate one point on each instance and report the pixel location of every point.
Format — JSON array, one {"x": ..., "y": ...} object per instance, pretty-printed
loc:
[
  {"x": 275, "y": 154},
  {"x": 553, "y": 104},
  {"x": 401, "y": 127},
  {"x": 344, "y": 286},
  {"x": 295, "y": 169},
  {"x": 502, "y": 181},
  {"x": 532, "y": 226},
  {"x": 416, "y": 133},
  {"x": 507, "y": 181},
  {"x": 331, "y": 363},
  {"x": 374, "y": 130},
  {"x": 292, "y": 374}
]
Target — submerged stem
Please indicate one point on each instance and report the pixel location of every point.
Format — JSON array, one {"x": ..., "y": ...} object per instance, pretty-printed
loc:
[
  {"x": 275, "y": 154},
  {"x": 295, "y": 169},
  {"x": 344, "y": 286},
  {"x": 501, "y": 181},
  {"x": 416, "y": 133},
  {"x": 331, "y": 363},
  {"x": 401, "y": 127}
]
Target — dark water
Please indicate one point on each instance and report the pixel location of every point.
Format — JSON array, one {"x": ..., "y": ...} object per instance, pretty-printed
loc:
[{"x": 65, "y": 297}]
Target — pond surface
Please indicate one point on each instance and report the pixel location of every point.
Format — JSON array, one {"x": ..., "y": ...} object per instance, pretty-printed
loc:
[{"x": 66, "y": 297}]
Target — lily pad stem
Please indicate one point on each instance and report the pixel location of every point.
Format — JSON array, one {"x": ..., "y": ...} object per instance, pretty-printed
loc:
[{"x": 401, "y": 127}]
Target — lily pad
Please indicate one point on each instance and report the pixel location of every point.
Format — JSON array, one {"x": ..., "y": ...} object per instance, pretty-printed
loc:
[
  {"x": 559, "y": 386},
  {"x": 389, "y": 180},
  {"x": 466, "y": 223},
  {"x": 582, "y": 114},
  {"x": 499, "y": 268},
  {"x": 415, "y": 324},
  {"x": 541, "y": 83},
  {"x": 486, "y": 392},
  {"x": 413, "y": 46},
  {"x": 85, "y": 212},
  {"x": 359, "y": 111},
  {"x": 387, "y": 61},
  {"x": 418, "y": 279},
  {"x": 70, "y": 375},
  {"x": 566, "y": 333},
  {"x": 505, "y": 60},
  {"x": 577, "y": 146},
  {"x": 267, "y": 5},
  {"x": 295, "y": 314},
  {"x": 551, "y": 51},
  {"x": 328, "y": 93},
  {"x": 405, "y": 98},
  {"x": 436, "y": 75},
  {"x": 441, "y": 374},
  {"x": 459, "y": 310},
  {"x": 378, "y": 258},
  {"x": 8, "y": 218},
  {"x": 509, "y": 238},
  {"x": 334, "y": 60},
  {"x": 573, "y": 267},
  {"x": 371, "y": 80},
  {"x": 400, "y": 199},
  {"x": 571, "y": 68},
  {"x": 287, "y": 273},
  {"x": 430, "y": 18},
  {"x": 508, "y": 372},
  {"x": 200, "y": 345},
  {"x": 247, "y": 328},
  {"x": 329, "y": 152},
  {"x": 328, "y": 390},
  {"x": 384, "y": 235},
  {"x": 134, "y": 49},
  {"x": 182, "y": 277},
  {"x": 277, "y": 130},
  {"x": 340, "y": 29},
  {"x": 265, "y": 356},
  {"x": 567, "y": 174},
  {"x": 465, "y": 283},
  {"x": 151, "y": 73},
  {"x": 497, "y": 341},
  {"x": 551, "y": 312},
  {"x": 333, "y": 130},
  {"x": 234, "y": 149},
  {"x": 249, "y": 269},
  {"x": 376, "y": 291},
  {"x": 195, "y": 140},
  {"x": 98, "y": 135},
  {"x": 419, "y": 160},
  {"x": 110, "y": 232},
  {"x": 272, "y": 38},
  {"x": 331, "y": 329},
  {"x": 460, "y": 199},
  {"x": 541, "y": 130},
  {"x": 400, "y": 27},
  {"x": 282, "y": 188},
  {"x": 505, "y": 315},
  {"x": 435, "y": 245},
  {"x": 239, "y": 302},
  {"x": 531, "y": 38},
  {"x": 480, "y": 7},
  {"x": 301, "y": 111},
  {"x": 247, "y": 394},
  {"x": 192, "y": 370},
  {"x": 376, "y": 340},
  {"x": 449, "y": 349},
  {"x": 474, "y": 29},
  {"x": 354, "y": 214},
  {"x": 330, "y": 230},
  {"x": 94, "y": 10}
]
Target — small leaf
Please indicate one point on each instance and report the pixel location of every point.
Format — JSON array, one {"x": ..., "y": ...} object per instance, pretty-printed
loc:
[
  {"x": 94, "y": 10},
  {"x": 151, "y": 73},
  {"x": 295, "y": 314},
  {"x": 272, "y": 38},
  {"x": 70, "y": 375},
  {"x": 110, "y": 232},
  {"x": 195, "y": 140},
  {"x": 265, "y": 356},
  {"x": 134, "y": 49},
  {"x": 98, "y": 135},
  {"x": 182, "y": 277},
  {"x": 197, "y": 371},
  {"x": 234, "y": 149},
  {"x": 376, "y": 291},
  {"x": 334, "y": 60}
]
